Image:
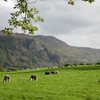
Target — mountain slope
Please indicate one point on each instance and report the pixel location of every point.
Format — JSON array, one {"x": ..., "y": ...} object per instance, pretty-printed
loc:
[{"x": 42, "y": 51}]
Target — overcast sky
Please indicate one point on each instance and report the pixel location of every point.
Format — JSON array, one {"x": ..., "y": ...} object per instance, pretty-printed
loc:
[{"x": 77, "y": 25}]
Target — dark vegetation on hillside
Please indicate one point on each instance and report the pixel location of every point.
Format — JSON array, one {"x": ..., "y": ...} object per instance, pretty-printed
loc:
[{"x": 24, "y": 51}]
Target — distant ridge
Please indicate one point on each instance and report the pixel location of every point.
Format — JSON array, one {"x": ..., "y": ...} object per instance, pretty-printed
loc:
[{"x": 21, "y": 50}]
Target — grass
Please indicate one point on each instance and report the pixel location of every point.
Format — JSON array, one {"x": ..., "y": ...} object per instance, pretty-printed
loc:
[{"x": 81, "y": 83}]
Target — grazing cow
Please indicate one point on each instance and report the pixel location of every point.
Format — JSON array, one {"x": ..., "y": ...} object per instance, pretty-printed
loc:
[
  {"x": 33, "y": 77},
  {"x": 6, "y": 78},
  {"x": 47, "y": 73},
  {"x": 54, "y": 72},
  {"x": 57, "y": 72}
]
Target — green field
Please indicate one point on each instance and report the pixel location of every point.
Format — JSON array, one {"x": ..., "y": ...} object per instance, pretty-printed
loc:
[{"x": 82, "y": 83}]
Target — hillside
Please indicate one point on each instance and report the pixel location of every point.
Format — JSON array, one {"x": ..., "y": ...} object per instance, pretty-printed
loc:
[{"x": 42, "y": 51}]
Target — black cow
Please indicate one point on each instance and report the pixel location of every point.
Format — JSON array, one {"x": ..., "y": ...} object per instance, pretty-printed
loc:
[
  {"x": 47, "y": 73},
  {"x": 54, "y": 72},
  {"x": 6, "y": 78},
  {"x": 33, "y": 77}
]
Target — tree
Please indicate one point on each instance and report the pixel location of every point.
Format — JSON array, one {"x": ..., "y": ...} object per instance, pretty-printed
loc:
[{"x": 23, "y": 17}]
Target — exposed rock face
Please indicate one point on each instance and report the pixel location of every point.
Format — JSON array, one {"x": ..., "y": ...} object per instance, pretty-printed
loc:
[{"x": 42, "y": 51}]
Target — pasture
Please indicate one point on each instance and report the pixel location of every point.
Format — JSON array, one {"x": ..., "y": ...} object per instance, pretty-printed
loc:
[{"x": 81, "y": 83}]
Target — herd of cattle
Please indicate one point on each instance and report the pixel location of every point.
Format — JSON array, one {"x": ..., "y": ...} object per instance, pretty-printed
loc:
[
  {"x": 6, "y": 78},
  {"x": 52, "y": 72}
]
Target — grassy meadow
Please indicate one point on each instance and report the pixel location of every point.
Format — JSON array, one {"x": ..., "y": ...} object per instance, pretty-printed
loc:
[{"x": 80, "y": 83}]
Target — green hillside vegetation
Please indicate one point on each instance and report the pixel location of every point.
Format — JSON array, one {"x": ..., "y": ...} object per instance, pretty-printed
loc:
[{"x": 72, "y": 83}]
